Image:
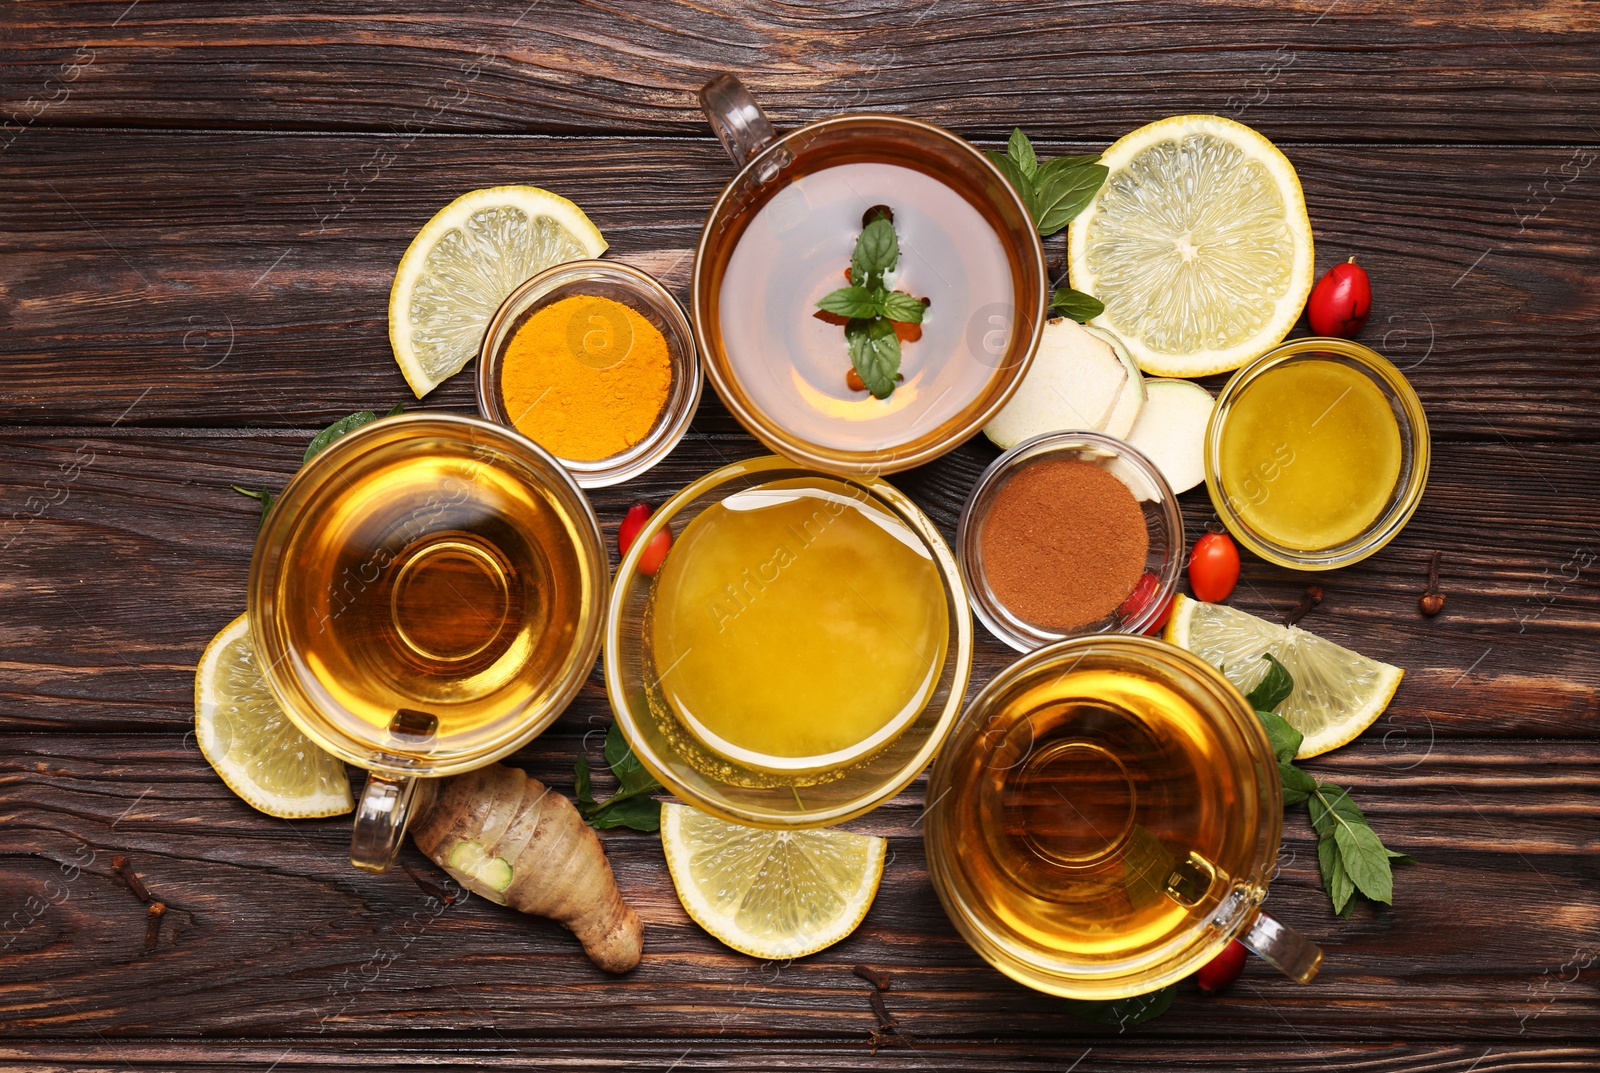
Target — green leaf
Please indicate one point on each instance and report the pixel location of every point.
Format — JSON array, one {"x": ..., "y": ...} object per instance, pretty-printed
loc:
[
  {"x": 1285, "y": 738},
  {"x": 1399, "y": 858},
  {"x": 1274, "y": 688},
  {"x": 1335, "y": 880},
  {"x": 580, "y": 781},
  {"x": 1062, "y": 190},
  {"x": 1020, "y": 182},
  {"x": 266, "y": 502},
  {"x": 1020, "y": 151},
  {"x": 1075, "y": 161},
  {"x": 631, "y": 806},
  {"x": 1366, "y": 861},
  {"x": 1124, "y": 1012},
  {"x": 639, "y": 813},
  {"x": 1297, "y": 785},
  {"x": 1332, "y": 808},
  {"x": 877, "y": 251},
  {"x": 631, "y": 775},
  {"x": 341, "y": 427},
  {"x": 1076, "y": 305},
  {"x": 898, "y": 305},
  {"x": 396, "y": 410},
  {"x": 853, "y": 302},
  {"x": 875, "y": 353}
]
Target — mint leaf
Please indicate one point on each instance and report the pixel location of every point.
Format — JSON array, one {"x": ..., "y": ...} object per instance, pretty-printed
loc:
[
  {"x": 875, "y": 353},
  {"x": 396, "y": 410},
  {"x": 1062, "y": 190},
  {"x": 1274, "y": 688},
  {"x": 1124, "y": 1012},
  {"x": 639, "y": 813},
  {"x": 1075, "y": 305},
  {"x": 580, "y": 781},
  {"x": 1020, "y": 151},
  {"x": 631, "y": 806},
  {"x": 1335, "y": 880},
  {"x": 877, "y": 251},
  {"x": 853, "y": 302},
  {"x": 898, "y": 305},
  {"x": 1297, "y": 785},
  {"x": 1020, "y": 182},
  {"x": 1285, "y": 739},
  {"x": 631, "y": 775},
  {"x": 263, "y": 495},
  {"x": 1366, "y": 861},
  {"x": 1332, "y": 808}
]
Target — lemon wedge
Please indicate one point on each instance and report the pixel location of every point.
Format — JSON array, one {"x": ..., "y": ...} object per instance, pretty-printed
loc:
[
  {"x": 1337, "y": 693},
  {"x": 464, "y": 262},
  {"x": 770, "y": 894},
  {"x": 1198, "y": 243},
  {"x": 248, "y": 740}
]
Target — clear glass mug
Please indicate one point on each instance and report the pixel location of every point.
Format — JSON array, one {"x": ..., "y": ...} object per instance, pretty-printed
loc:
[
  {"x": 425, "y": 597},
  {"x": 781, "y": 235},
  {"x": 1105, "y": 819}
]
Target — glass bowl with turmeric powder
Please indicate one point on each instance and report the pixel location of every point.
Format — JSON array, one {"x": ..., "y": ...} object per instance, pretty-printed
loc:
[
  {"x": 1070, "y": 533},
  {"x": 595, "y": 362}
]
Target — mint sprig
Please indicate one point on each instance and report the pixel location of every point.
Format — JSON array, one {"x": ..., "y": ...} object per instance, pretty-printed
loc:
[
  {"x": 872, "y": 308},
  {"x": 631, "y": 806},
  {"x": 1055, "y": 192},
  {"x": 319, "y": 442},
  {"x": 1350, "y": 855}
]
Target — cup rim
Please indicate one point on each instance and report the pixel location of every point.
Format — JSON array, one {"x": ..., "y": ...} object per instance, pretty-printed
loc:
[
  {"x": 997, "y": 949},
  {"x": 880, "y": 461},
  {"x": 1414, "y": 433},
  {"x": 680, "y": 407},
  {"x": 591, "y": 548},
  {"x": 959, "y": 649},
  {"x": 1007, "y": 627}
]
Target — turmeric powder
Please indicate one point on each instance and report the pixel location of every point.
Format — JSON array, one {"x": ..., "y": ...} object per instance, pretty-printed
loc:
[{"x": 585, "y": 377}]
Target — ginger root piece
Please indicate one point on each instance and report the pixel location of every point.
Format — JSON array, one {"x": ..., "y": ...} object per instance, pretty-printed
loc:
[{"x": 511, "y": 839}]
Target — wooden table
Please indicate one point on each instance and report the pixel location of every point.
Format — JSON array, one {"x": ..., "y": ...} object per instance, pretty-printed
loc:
[{"x": 203, "y": 207}]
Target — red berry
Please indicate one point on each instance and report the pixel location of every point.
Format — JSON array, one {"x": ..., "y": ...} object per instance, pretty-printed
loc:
[
  {"x": 1340, "y": 301},
  {"x": 1213, "y": 568},
  {"x": 1141, "y": 595},
  {"x": 655, "y": 553},
  {"x": 632, "y": 522},
  {"x": 1223, "y": 969}
]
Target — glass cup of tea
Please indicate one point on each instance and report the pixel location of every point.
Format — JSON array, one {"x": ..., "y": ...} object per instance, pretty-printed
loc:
[
  {"x": 1105, "y": 820},
  {"x": 781, "y": 236},
  {"x": 426, "y": 596}
]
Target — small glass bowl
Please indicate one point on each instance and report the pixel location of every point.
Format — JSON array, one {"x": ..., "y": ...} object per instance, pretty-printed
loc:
[
  {"x": 864, "y": 784},
  {"x": 644, "y": 294},
  {"x": 1414, "y": 453},
  {"x": 1163, "y": 522}
]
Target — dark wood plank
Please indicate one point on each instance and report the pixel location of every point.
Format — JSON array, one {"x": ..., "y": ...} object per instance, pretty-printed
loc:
[
  {"x": 509, "y": 1052},
  {"x": 272, "y": 933},
  {"x": 243, "y": 279},
  {"x": 1426, "y": 72},
  {"x": 123, "y": 551}
]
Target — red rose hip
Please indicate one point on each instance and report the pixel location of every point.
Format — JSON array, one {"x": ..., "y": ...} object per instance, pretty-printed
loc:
[
  {"x": 1340, "y": 301},
  {"x": 1223, "y": 969}
]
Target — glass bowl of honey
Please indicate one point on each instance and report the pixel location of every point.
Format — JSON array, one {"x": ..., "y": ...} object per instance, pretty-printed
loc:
[
  {"x": 595, "y": 362},
  {"x": 801, "y": 652},
  {"x": 1317, "y": 453}
]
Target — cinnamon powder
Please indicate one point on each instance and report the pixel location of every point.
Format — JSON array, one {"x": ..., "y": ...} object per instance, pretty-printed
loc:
[{"x": 1063, "y": 544}]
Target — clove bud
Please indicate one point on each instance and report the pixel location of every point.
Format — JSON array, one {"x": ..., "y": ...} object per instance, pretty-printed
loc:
[{"x": 1432, "y": 600}]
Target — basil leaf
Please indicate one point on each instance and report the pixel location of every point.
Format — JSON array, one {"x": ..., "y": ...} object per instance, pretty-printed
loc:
[
  {"x": 1297, "y": 785},
  {"x": 266, "y": 502},
  {"x": 639, "y": 813},
  {"x": 852, "y": 302},
  {"x": 877, "y": 251},
  {"x": 1366, "y": 861},
  {"x": 898, "y": 305},
  {"x": 1062, "y": 192},
  {"x": 875, "y": 353},
  {"x": 1274, "y": 687},
  {"x": 1020, "y": 151},
  {"x": 1075, "y": 305},
  {"x": 341, "y": 427},
  {"x": 1124, "y": 1012},
  {"x": 1284, "y": 738}
]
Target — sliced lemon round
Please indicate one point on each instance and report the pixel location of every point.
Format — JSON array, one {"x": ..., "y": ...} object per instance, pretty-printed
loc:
[
  {"x": 1198, "y": 243},
  {"x": 248, "y": 740},
  {"x": 770, "y": 894},
  {"x": 1337, "y": 693},
  {"x": 464, "y": 262}
]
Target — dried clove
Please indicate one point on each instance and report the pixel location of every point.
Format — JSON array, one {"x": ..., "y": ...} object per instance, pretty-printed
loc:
[
  {"x": 152, "y": 925},
  {"x": 1309, "y": 599},
  {"x": 1432, "y": 600},
  {"x": 885, "y": 1018},
  {"x": 119, "y": 865},
  {"x": 877, "y": 979}
]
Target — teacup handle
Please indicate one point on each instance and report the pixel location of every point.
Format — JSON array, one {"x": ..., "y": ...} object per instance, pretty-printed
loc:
[
  {"x": 740, "y": 124},
  {"x": 1283, "y": 948},
  {"x": 381, "y": 818}
]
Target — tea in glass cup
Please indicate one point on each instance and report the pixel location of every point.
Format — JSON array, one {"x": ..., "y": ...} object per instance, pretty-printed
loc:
[
  {"x": 1105, "y": 819},
  {"x": 426, "y": 596}
]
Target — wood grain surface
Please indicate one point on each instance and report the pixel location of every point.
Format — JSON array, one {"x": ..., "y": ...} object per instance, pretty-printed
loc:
[{"x": 203, "y": 207}]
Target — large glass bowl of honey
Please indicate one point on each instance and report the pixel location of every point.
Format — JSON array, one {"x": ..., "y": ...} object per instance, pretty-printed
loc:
[{"x": 801, "y": 652}]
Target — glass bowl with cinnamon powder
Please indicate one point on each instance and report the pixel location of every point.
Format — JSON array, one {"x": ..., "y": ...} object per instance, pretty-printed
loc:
[
  {"x": 595, "y": 362},
  {"x": 1069, "y": 533}
]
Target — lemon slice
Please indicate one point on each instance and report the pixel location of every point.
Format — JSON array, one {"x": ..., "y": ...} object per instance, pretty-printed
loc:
[
  {"x": 1198, "y": 244},
  {"x": 1337, "y": 693},
  {"x": 464, "y": 262},
  {"x": 248, "y": 740},
  {"x": 770, "y": 894}
]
